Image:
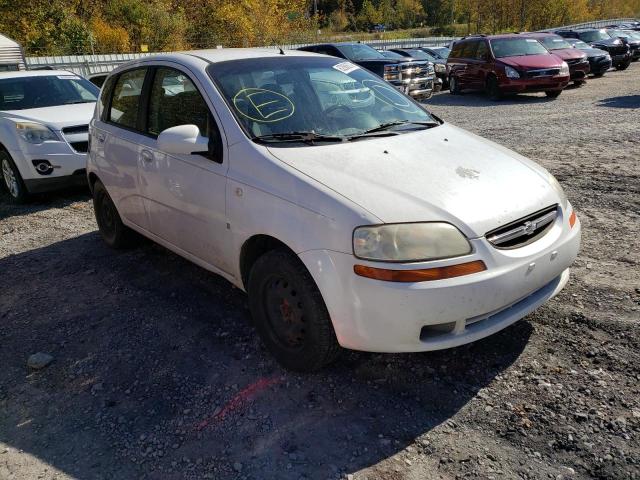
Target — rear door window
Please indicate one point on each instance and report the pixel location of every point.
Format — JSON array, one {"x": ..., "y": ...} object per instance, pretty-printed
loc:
[
  {"x": 481, "y": 51},
  {"x": 469, "y": 50},
  {"x": 126, "y": 99}
]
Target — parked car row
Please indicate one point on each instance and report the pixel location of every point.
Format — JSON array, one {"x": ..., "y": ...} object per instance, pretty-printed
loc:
[{"x": 350, "y": 215}]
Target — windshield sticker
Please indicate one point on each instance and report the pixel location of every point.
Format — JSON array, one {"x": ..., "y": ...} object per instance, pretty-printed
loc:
[
  {"x": 531, "y": 40},
  {"x": 346, "y": 67},
  {"x": 389, "y": 95},
  {"x": 68, "y": 77},
  {"x": 261, "y": 105}
]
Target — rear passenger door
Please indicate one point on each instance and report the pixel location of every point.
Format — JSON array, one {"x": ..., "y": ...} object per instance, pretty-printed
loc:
[
  {"x": 117, "y": 140},
  {"x": 184, "y": 194},
  {"x": 477, "y": 64}
]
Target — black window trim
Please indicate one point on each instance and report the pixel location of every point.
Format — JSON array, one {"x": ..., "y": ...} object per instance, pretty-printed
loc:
[
  {"x": 142, "y": 120},
  {"x": 107, "y": 115}
]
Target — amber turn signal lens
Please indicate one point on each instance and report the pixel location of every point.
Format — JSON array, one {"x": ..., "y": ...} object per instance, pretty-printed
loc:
[
  {"x": 572, "y": 219},
  {"x": 422, "y": 275}
]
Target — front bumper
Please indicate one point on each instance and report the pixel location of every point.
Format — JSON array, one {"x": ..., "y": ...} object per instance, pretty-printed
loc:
[
  {"x": 65, "y": 162},
  {"x": 417, "y": 87},
  {"x": 379, "y": 316},
  {"x": 599, "y": 65},
  {"x": 579, "y": 71},
  {"x": 619, "y": 59},
  {"x": 541, "y": 84}
]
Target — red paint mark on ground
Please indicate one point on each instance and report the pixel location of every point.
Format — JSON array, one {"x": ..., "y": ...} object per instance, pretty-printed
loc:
[{"x": 238, "y": 401}]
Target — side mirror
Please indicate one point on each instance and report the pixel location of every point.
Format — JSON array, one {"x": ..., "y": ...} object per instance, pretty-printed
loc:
[{"x": 183, "y": 140}]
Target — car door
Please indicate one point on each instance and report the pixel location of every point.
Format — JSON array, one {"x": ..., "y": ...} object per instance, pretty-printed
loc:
[
  {"x": 117, "y": 144},
  {"x": 477, "y": 64},
  {"x": 184, "y": 194},
  {"x": 457, "y": 63}
]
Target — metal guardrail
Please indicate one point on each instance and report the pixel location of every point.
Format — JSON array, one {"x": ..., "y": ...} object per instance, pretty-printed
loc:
[{"x": 87, "y": 65}]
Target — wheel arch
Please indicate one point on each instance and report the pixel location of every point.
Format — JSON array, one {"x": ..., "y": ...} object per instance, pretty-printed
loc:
[{"x": 253, "y": 248}]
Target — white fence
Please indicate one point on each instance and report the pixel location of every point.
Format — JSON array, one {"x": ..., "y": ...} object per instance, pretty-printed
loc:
[
  {"x": 84, "y": 65},
  {"x": 87, "y": 65}
]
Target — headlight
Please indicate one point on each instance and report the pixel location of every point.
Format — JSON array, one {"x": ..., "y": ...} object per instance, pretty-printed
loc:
[
  {"x": 440, "y": 68},
  {"x": 409, "y": 242},
  {"x": 564, "y": 70},
  {"x": 35, "y": 132},
  {"x": 511, "y": 72},
  {"x": 391, "y": 73},
  {"x": 558, "y": 188}
]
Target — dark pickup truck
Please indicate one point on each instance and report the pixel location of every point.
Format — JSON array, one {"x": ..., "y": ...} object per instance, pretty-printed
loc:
[
  {"x": 599, "y": 38},
  {"x": 415, "y": 78}
]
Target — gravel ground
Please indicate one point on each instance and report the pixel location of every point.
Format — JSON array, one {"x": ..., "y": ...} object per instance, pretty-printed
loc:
[{"x": 158, "y": 374}]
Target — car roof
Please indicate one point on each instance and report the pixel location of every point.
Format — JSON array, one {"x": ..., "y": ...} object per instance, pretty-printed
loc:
[
  {"x": 35, "y": 73},
  {"x": 225, "y": 54},
  {"x": 540, "y": 34}
]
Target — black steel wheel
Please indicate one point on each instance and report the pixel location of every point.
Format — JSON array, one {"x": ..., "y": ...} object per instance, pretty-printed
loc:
[
  {"x": 290, "y": 314},
  {"x": 113, "y": 231}
]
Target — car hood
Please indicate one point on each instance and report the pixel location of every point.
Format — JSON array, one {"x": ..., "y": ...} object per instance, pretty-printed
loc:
[
  {"x": 594, "y": 52},
  {"x": 443, "y": 173},
  {"x": 609, "y": 42},
  {"x": 56, "y": 117},
  {"x": 569, "y": 53},
  {"x": 527, "y": 62}
]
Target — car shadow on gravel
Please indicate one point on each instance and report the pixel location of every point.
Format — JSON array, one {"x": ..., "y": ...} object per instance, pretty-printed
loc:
[
  {"x": 41, "y": 201},
  {"x": 626, "y": 101},
  {"x": 479, "y": 99},
  {"x": 157, "y": 373}
]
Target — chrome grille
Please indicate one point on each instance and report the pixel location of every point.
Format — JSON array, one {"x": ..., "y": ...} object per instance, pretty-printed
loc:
[
  {"x": 523, "y": 231},
  {"x": 78, "y": 137},
  {"x": 546, "y": 72}
]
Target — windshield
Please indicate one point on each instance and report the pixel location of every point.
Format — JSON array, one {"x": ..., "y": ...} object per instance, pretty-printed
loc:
[
  {"x": 324, "y": 96},
  {"x": 554, "y": 43},
  {"x": 390, "y": 54},
  {"x": 22, "y": 93},
  {"x": 515, "y": 47},
  {"x": 594, "y": 35},
  {"x": 618, "y": 33},
  {"x": 580, "y": 44},
  {"x": 420, "y": 55},
  {"x": 359, "y": 51},
  {"x": 441, "y": 52}
]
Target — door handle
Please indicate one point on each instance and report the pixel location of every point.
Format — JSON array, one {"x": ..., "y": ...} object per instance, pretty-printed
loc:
[{"x": 147, "y": 156}]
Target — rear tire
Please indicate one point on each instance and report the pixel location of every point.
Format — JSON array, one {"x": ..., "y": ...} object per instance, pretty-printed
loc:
[
  {"x": 115, "y": 233},
  {"x": 11, "y": 179},
  {"x": 493, "y": 89},
  {"x": 598, "y": 75},
  {"x": 553, "y": 93},
  {"x": 454, "y": 86},
  {"x": 290, "y": 314}
]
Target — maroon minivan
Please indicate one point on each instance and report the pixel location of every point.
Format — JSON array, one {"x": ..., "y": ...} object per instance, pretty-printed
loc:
[
  {"x": 500, "y": 64},
  {"x": 575, "y": 58}
]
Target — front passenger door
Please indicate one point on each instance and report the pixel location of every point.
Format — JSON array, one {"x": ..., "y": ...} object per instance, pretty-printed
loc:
[{"x": 184, "y": 194}]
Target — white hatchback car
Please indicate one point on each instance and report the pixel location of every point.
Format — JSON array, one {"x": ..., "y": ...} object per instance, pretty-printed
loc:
[
  {"x": 350, "y": 215},
  {"x": 44, "y": 125}
]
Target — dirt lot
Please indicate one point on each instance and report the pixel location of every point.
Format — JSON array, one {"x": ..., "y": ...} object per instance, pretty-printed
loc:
[{"x": 157, "y": 372}]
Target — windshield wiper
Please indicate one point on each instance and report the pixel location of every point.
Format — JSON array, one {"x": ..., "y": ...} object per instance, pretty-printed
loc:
[
  {"x": 305, "y": 137},
  {"x": 73, "y": 102},
  {"x": 389, "y": 125}
]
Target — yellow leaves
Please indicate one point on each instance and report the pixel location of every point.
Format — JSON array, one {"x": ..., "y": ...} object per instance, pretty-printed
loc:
[{"x": 109, "y": 39}]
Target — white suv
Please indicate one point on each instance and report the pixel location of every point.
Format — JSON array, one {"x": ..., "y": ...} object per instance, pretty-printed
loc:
[
  {"x": 350, "y": 215},
  {"x": 44, "y": 122}
]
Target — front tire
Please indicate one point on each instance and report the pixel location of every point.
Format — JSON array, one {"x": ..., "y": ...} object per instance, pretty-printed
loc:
[
  {"x": 115, "y": 233},
  {"x": 623, "y": 65},
  {"x": 11, "y": 179},
  {"x": 553, "y": 93},
  {"x": 290, "y": 314},
  {"x": 493, "y": 89},
  {"x": 454, "y": 86}
]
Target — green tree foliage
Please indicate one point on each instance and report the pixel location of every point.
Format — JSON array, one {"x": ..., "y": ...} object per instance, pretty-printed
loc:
[{"x": 57, "y": 27}]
